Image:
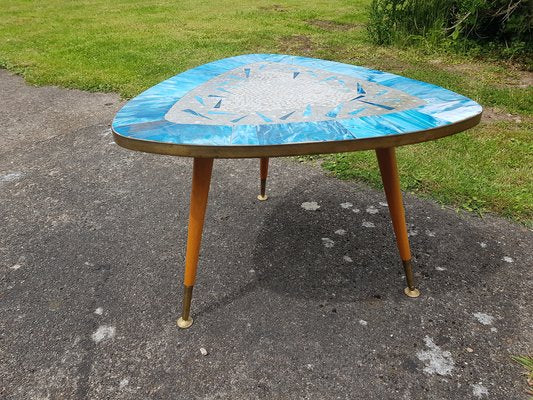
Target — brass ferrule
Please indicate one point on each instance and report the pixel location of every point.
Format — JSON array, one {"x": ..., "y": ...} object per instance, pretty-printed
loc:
[
  {"x": 263, "y": 187},
  {"x": 408, "y": 268},
  {"x": 187, "y": 297}
]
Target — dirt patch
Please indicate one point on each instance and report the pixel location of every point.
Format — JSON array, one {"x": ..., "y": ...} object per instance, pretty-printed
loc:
[
  {"x": 491, "y": 114},
  {"x": 299, "y": 44},
  {"x": 274, "y": 7},
  {"x": 508, "y": 76},
  {"x": 380, "y": 58},
  {"x": 332, "y": 25},
  {"x": 515, "y": 77},
  {"x": 390, "y": 64},
  {"x": 524, "y": 79}
]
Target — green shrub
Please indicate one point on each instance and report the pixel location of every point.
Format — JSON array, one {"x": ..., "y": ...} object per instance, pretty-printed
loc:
[
  {"x": 403, "y": 21},
  {"x": 505, "y": 25}
]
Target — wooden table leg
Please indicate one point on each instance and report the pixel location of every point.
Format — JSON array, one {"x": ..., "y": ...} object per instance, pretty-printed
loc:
[
  {"x": 264, "y": 174},
  {"x": 391, "y": 183},
  {"x": 201, "y": 179}
]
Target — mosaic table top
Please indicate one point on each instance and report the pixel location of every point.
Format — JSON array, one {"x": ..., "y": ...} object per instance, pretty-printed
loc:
[{"x": 287, "y": 105}]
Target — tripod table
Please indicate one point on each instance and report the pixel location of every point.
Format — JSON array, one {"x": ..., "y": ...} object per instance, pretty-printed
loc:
[{"x": 270, "y": 105}]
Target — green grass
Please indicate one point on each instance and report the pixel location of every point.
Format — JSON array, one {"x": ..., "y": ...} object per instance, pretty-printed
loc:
[
  {"x": 128, "y": 46},
  {"x": 527, "y": 363},
  {"x": 488, "y": 168}
]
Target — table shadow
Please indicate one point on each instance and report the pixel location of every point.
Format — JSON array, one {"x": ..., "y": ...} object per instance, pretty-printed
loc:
[{"x": 333, "y": 254}]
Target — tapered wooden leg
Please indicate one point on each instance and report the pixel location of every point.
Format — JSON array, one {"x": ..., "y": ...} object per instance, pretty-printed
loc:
[
  {"x": 201, "y": 179},
  {"x": 264, "y": 174},
  {"x": 391, "y": 183}
]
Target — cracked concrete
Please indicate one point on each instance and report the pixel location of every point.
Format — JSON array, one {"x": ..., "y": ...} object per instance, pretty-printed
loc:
[{"x": 92, "y": 245}]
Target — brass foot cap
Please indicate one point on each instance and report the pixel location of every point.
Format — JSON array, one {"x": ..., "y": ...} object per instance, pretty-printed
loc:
[
  {"x": 184, "y": 323},
  {"x": 411, "y": 293},
  {"x": 261, "y": 197}
]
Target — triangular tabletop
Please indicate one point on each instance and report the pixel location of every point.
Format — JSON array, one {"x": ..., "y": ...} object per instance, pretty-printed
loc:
[{"x": 273, "y": 105}]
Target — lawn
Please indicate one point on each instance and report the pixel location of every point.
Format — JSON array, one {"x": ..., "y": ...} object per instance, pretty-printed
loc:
[{"x": 127, "y": 46}]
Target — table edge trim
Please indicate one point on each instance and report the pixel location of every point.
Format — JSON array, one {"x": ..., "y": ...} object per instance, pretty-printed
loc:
[{"x": 295, "y": 149}]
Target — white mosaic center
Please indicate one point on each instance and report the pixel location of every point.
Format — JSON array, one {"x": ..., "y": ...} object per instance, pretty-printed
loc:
[
  {"x": 274, "y": 93},
  {"x": 276, "y": 89}
]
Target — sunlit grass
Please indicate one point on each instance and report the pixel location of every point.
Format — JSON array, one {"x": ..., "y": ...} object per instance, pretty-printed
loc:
[
  {"x": 485, "y": 169},
  {"x": 527, "y": 363}
]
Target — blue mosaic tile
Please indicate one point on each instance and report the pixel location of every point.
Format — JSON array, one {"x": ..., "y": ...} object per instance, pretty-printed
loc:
[
  {"x": 261, "y": 99},
  {"x": 287, "y": 115}
]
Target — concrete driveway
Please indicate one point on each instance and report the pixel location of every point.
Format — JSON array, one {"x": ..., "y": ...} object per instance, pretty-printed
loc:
[{"x": 290, "y": 303}]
